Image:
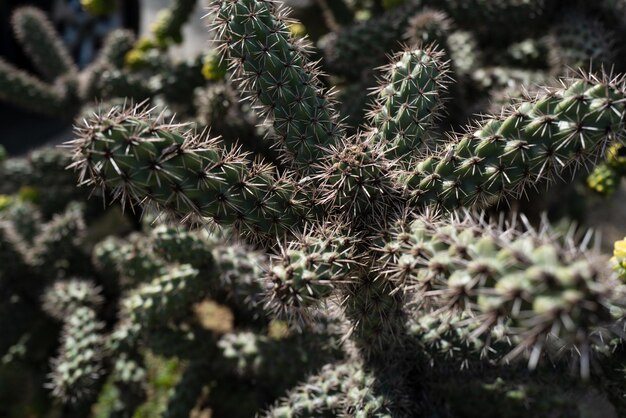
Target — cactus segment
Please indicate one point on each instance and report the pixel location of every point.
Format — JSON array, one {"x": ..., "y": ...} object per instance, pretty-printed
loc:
[
  {"x": 25, "y": 91},
  {"x": 78, "y": 368},
  {"x": 410, "y": 100},
  {"x": 541, "y": 295},
  {"x": 185, "y": 174},
  {"x": 274, "y": 71},
  {"x": 42, "y": 43},
  {"x": 537, "y": 140},
  {"x": 166, "y": 297}
]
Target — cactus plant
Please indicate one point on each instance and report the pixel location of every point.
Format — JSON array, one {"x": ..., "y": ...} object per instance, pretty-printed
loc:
[{"x": 370, "y": 270}]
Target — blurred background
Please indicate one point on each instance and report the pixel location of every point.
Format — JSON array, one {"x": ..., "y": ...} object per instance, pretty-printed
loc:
[{"x": 83, "y": 33}]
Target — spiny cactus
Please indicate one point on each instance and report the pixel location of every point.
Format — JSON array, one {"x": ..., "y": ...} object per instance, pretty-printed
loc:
[
  {"x": 410, "y": 99},
  {"x": 366, "y": 242},
  {"x": 186, "y": 174},
  {"x": 78, "y": 367},
  {"x": 282, "y": 82},
  {"x": 535, "y": 140},
  {"x": 527, "y": 283},
  {"x": 64, "y": 297}
]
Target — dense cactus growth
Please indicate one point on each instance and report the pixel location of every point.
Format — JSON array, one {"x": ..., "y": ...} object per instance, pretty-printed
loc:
[{"x": 275, "y": 250}]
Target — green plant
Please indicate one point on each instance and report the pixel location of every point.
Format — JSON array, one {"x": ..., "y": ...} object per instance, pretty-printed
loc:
[{"x": 361, "y": 265}]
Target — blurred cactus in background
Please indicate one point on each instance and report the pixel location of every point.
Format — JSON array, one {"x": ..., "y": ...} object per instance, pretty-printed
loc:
[{"x": 362, "y": 229}]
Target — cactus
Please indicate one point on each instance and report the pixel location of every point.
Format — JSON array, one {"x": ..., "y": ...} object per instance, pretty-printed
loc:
[
  {"x": 409, "y": 102},
  {"x": 78, "y": 367},
  {"x": 114, "y": 48},
  {"x": 346, "y": 268},
  {"x": 65, "y": 89},
  {"x": 66, "y": 296},
  {"x": 343, "y": 50},
  {"x": 493, "y": 283},
  {"x": 302, "y": 115},
  {"x": 255, "y": 191},
  {"x": 536, "y": 140},
  {"x": 25, "y": 91},
  {"x": 42, "y": 43}
]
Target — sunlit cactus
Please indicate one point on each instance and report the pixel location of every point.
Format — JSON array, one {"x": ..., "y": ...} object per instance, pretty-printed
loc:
[{"x": 259, "y": 246}]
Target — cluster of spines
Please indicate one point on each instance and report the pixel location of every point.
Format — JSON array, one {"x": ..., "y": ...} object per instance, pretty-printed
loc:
[
  {"x": 64, "y": 297},
  {"x": 338, "y": 389},
  {"x": 410, "y": 99},
  {"x": 309, "y": 267},
  {"x": 78, "y": 368},
  {"x": 167, "y": 297}
]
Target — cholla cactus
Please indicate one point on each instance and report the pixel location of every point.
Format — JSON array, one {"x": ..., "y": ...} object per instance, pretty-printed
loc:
[{"x": 354, "y": 261}]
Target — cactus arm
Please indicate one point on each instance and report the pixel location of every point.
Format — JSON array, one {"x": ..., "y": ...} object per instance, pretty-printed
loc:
[
  {"x": 537, "y": 140},
  {"x": 276, "y": 74},
  {"x": 42, "y": 43},
  {"x": 188, "y": 175}
]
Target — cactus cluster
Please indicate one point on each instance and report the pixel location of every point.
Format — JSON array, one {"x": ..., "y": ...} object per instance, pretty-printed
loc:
[{"x": 306, "y": 254}]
